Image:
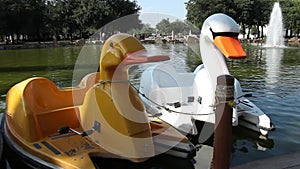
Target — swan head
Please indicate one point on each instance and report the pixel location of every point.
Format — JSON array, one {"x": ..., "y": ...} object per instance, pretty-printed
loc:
[
  {"x": 121, "y": 50},
  {"x": 223, "y": 31}
]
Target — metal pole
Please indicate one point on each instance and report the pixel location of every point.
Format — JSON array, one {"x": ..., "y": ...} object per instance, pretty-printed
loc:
[{"x": 223, "y": 122}]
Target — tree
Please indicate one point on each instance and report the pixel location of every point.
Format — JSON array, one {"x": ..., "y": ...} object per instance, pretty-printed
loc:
[
  {"x": 290, "y": 10},
  {"x": 164, "y": 26},
  {"x": 53, "y": 19},
  {"x": 3, "y": 23},
  {"x": 114, "y": 9},
  {"x": 17, "y": 13},
  {"x": 35, "y": 25},
  {"x": 244, "y": 10},
  {"x": 22, "y": 17},
  {"x": 247, "y": 13},
  {"x": 179, "y": 27},
  {"x": 261, "y": 14},
  {"x": 42, "y": 19},
  {"x": 147, "y": 29},
  {"x": 199, "y": 10}
]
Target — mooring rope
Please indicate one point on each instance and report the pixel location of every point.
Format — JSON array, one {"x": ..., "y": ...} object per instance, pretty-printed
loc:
[{"x": 158, "y": 105}]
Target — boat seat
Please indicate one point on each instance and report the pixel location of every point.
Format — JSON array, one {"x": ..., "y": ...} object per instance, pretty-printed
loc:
[
  {"x": 41, "y": 95},
  {"x": 49, "y": 123},
  {"x": 169, "y": 95},
  {"x": 52, "y": 108},
  {"x": 166, "y": 76}
]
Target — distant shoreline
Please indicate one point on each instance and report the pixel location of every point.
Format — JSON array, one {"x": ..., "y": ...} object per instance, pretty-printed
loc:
[
  {"x": 295, "y": 41},
  {"x": 36, "y": 45}
]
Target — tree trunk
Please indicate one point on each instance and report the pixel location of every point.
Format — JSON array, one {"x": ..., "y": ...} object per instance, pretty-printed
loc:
[
  {"x": 291, "y": 32},
  {"x": 262, "y": 31},
  {"x": 70, "y": 32},
  {"x": 38, "y": 34},
  {"x": 12, "y": 39},
  {"x": 258, "y": 32},
  {"x": 18, "y": 38},
  {"x": 249, "y": 31},
  {"x": 243, "y": 30}
]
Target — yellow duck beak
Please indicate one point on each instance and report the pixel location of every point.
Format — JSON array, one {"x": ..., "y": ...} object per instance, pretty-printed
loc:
[
  {"x": 230, "y": 47},
  {"x": 142, "y": 56}
]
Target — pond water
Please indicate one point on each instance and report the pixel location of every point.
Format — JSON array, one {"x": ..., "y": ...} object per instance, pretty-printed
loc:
[{"x": 270, "y": 74}]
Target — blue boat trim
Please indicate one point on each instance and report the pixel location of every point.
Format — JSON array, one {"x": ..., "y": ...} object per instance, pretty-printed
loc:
[
  {"x": 36, "y": 145},
  {"x": 50, "y": 147}
]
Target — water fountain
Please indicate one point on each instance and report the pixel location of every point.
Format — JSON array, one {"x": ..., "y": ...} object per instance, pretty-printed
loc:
[
  {"x": 275, "y": 29},
  {"x": 274, "y": 43}
]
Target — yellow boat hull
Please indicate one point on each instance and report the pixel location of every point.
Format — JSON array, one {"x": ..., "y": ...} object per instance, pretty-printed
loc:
[{"x": 37, "y": 109}]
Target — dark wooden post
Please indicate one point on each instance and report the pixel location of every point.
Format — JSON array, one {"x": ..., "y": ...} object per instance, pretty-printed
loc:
[{"x": 223, "y": 122}]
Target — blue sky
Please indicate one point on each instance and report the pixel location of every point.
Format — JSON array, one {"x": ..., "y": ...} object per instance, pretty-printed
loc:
[{"x": 174, "y": 8}]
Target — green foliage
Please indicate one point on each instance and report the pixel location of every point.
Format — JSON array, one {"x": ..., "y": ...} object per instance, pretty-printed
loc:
[
  {"x": 290, "y": 10},
  {"x": 248, "y": 13},
  {"x": 199, "y": 10},
  {"x": 179, "y": 27},
  {"x": 147, "y": 29},
  {"x": 22, "y": 17},
  {"x": 43, "y": 19},
  {"x": 166, "y": 27}
]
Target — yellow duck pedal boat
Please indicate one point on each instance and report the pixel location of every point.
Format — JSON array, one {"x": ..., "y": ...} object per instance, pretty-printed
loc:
[{"x": 102, "y": 117}]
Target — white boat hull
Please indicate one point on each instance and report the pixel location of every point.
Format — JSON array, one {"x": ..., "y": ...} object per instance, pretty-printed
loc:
[{"x": 182, "y": 98}]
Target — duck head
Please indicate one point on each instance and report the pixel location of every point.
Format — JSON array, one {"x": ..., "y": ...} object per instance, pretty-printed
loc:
[{"x": 121, "y": 50}]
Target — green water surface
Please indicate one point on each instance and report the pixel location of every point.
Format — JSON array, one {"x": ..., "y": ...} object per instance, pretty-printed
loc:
[{"x": 272, "y": 75}]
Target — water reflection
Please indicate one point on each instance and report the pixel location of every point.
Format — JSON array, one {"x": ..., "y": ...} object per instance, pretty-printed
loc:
[
  {"x": 273, "y": 64},
  {"x": 193, "y": 58},
  {"x": 248, "y": 144},
  {"x": 157, "y": 162},
  {"x": 258, "y": 141}
]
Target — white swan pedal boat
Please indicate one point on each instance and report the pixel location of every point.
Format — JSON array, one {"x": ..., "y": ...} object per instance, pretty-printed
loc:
[{"x": 180, "y": 99}]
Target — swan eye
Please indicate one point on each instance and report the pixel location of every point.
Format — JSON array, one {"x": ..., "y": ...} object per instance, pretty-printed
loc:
[{"x": 228, "y": 34}]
